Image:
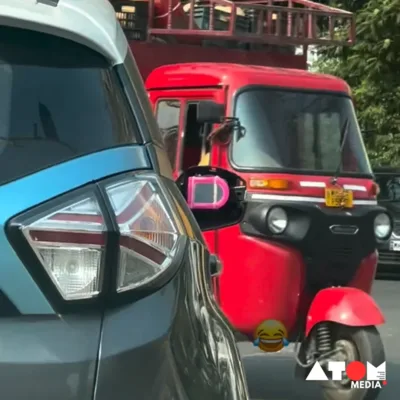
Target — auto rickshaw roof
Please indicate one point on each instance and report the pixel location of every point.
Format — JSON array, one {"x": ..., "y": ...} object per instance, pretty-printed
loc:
[
  {"x": 88, "y": 22},
  {"x": 220, "y": 74}
]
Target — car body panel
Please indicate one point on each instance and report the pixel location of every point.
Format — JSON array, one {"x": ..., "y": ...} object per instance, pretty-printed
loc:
[
  {"x": 89, "y": 22},
  {"x": 187, "y": 341},
  {"x": 49, "y": 357},
  {"x": 188, "y": 76}
]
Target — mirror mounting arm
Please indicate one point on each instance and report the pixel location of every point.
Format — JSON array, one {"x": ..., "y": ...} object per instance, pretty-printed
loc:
[{"x": 226, "y": 127}]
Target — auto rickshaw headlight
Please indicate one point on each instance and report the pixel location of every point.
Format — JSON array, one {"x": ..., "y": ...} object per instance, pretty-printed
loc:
[
  {"x": 382, "y": 226},
  {"x": 277, "y": 220}
]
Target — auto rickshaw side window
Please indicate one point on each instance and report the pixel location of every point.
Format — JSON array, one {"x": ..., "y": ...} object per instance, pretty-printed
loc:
[{"x": 168, "y": 115}]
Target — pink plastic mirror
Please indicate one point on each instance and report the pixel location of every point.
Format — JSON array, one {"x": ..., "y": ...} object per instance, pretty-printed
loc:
[{"x": 207, "y": 192}]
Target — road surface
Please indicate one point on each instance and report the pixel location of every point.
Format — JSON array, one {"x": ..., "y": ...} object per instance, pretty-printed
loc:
[{"x": 270, "y": 377}]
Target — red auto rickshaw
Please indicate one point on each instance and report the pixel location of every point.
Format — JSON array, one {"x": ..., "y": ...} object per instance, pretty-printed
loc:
[
  {"x": 298, "y": 229},
  {"x": 272, "y": 162}
]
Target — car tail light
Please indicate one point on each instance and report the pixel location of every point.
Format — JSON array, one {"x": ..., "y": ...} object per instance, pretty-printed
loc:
[
  {"x": 69, "y": 241},
  {"x": 149, "y": 231}
]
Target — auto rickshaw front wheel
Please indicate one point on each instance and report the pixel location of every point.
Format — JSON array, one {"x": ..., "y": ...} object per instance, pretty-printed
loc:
[{"x": 354, "y": 344}]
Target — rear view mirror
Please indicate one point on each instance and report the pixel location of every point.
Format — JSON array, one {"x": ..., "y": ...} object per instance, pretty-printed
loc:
[
  {"x": 210, "y": 112},
  {"x": 207, "y": 192}
]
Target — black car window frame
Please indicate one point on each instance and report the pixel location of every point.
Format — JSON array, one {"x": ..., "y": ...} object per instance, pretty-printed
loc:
[{"x": 139, "y": 100}]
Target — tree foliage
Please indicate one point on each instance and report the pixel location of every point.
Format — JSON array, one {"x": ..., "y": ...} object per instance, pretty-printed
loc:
[{"x": 372, "y": 69}]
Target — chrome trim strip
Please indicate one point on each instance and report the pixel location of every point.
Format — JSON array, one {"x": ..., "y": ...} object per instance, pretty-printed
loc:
[
  {"x": 354, "y": 188},
  {"x": 351, "y": 229},
  {"x": 312, "y": 184},
  {"x": 304, "y": 199}
]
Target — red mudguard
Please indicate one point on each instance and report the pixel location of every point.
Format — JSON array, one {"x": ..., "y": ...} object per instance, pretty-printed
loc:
[{"x": 343, "y": 305}]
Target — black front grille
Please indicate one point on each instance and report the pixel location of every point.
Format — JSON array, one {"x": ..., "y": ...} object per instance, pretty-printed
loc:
[
  {"x": 396, "y": 227},
  {"x": 389, "y": 257},
  {"x": 340, "y": 254},
  {"x": 335, "y": 263},
  {"x": 338, "y": 251}
]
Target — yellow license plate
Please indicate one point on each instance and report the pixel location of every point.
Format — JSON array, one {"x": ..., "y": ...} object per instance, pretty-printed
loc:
[{"x": 336, "y": 197}]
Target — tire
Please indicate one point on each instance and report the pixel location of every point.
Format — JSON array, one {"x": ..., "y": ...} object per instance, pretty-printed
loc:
[{"x": 370, "y": 348}]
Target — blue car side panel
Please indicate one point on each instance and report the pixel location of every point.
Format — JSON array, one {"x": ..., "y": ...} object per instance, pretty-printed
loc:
[
  {"x": 49, "y": 357},
  {"x": 171, "y": 345},
  {"x": 135, "y": 351},
  {"x": 20, "y": 195}
]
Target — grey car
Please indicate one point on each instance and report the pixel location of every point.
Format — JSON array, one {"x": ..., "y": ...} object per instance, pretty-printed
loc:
[
  {"x": 388, "y": 180},
  {"x": 105, "y": 278}
]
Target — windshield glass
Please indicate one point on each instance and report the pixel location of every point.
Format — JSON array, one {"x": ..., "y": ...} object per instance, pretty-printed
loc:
[
  {"x": 58, "y": 100},
  {"x": 298, "y": 131},
  {"x": 389, "y": 188}
]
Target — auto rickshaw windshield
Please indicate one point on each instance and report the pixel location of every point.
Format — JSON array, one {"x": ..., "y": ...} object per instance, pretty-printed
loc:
[{"x": 298, "y": 131}]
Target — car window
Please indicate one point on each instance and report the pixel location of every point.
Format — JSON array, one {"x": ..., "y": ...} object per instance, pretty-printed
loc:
[
  {"x": 168, "y": 114},
  {"x": 58, "y": 100},
  {"x": 389, "y": 188}
]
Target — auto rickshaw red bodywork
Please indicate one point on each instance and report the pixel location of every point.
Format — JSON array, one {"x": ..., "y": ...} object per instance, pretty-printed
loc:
[
  {"x": 297, "y": 232},
  {"x": 269, "y": 280}
]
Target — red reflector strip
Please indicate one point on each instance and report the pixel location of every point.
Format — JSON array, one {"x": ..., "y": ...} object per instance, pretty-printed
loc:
[{"x": 68, "y": 237}]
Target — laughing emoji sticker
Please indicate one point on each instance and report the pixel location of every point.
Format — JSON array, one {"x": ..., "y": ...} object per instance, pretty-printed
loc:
[{"x": 270, "y": 336}]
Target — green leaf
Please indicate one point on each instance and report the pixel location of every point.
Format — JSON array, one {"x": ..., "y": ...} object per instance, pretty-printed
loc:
[{"x": 386, "y": 43}]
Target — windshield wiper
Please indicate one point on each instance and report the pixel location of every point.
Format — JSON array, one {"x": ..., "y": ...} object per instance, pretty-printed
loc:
[{"x": 343, "y": 134}]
